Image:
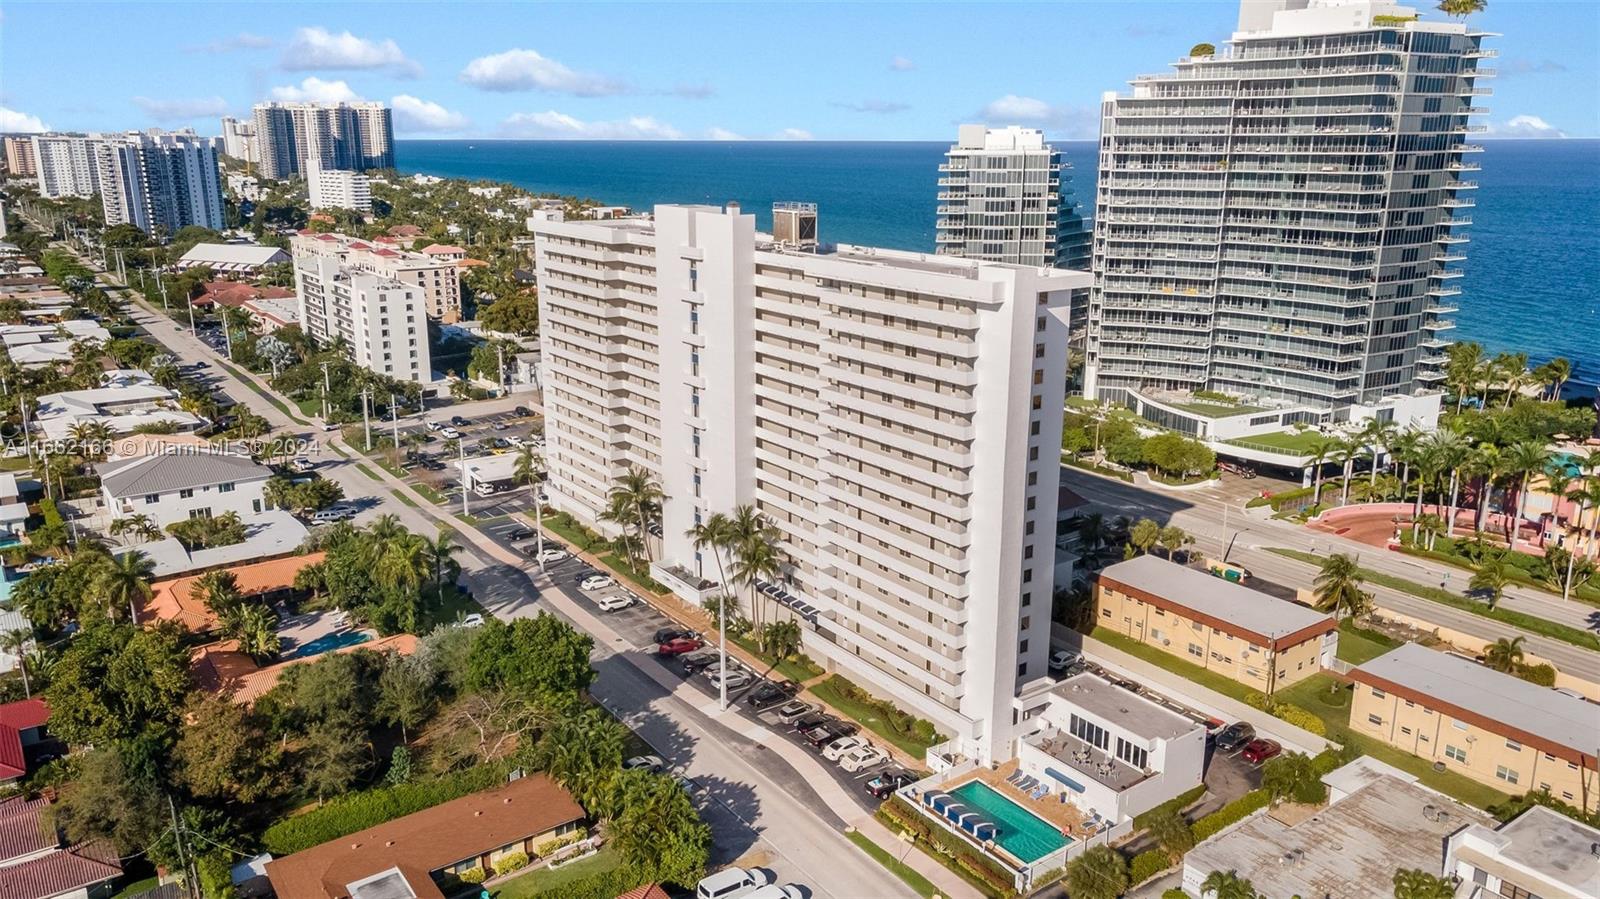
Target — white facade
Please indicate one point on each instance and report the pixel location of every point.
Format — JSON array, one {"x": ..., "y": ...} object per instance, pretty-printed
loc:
[
  {"x": 159, "y": 181},
  {"x": 176, "y": 485},
  {"x": 1279, "y": 220},
  {"x": 895, "y": 415},
  {"x": 1539, "y": 853},
  {"x": 383, "y": 321},
  {"x": 338, "y": 189},
  {"x": 437, "y": 280},
  {"x": 66, "y": 165},
  {"x": 239, "y": 139}
]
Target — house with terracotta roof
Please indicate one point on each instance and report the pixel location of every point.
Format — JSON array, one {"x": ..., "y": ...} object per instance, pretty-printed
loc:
[
  {"x": 443, "y": 251},
  {"x": 22, "y": 727},
  {"x": 180, "y": 600},
  {"x": 221, "y": 668},
  {"x": 36, "y": 863},
  {"x": 415, "y": 856},
  {"x": 405, "y": 231}
]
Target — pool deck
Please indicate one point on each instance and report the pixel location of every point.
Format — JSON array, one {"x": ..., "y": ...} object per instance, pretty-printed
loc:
[{"x": 1064, "y": 815}]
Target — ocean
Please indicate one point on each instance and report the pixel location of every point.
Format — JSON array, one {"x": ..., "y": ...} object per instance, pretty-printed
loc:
[{"x": 1532, "y": 280}]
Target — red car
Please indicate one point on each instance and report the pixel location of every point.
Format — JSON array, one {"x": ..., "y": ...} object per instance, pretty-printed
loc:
[
  {"x": 1260, "y": 750},
  {"x": 678, "y": 647}
]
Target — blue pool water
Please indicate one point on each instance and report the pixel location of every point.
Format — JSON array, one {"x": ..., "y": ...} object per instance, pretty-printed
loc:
[
  {"x": 328, "y": 643},
  {"x": 1017, "y": 830}
]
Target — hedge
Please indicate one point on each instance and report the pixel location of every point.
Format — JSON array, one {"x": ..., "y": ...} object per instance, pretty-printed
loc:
[
  {"x": 47, "y": 508},
  {"x": 602, "y": 885},
  {"x": 546, "y": 847},
  {"x": 1148, "y": 864},
  {"x": 957, "y": 854},
  {"x": 1289, "y": 712},
  {"x": 1175, "y": 805},
  {"x": 1542, "y": 674},
  {"x": 1233, "y": 812},
  {"x": 512, "y": 862},
  {"x": 358, "y": 811}
]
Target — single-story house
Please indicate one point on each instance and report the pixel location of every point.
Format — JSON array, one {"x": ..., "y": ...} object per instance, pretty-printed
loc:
[
  {"x": 233, "y": 258},
  {"x": 122, "y": 408},
  {"x": 177, "y": 599},
  {"x": 22, "y": 724},
  {"x": 13, "y": 511},
  {"x": 36, "y": 863},
  {"x": 410, "y": 856}
]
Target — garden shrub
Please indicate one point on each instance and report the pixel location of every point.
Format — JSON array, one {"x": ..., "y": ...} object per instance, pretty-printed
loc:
[
  {"x": 544, "y": 848},
  {"x": 511, "y": 862},
  {"x": 1148, "y": 864},
  {"x": 1544, "y": 675},
  {"x": 961, "y": 857},
  {"x": 1300, "y": 718},
  {"x": 1233, "y": 812},
  {"x": 473, "y": 875}
]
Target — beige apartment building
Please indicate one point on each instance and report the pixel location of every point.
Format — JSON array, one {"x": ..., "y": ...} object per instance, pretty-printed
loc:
[
  {"x": 1258, "y": 640},
  {"x": 895, "y": 415},
  {"x": 20, "y": 159},
  {"x": 1495, "y": 728},
  {"x": 438, "y": 282}
]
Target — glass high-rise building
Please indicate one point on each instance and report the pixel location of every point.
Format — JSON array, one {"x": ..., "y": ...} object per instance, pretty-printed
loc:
[
  {"x": 1280, "y": 220},
  {"x": 1005, "y": 196}
]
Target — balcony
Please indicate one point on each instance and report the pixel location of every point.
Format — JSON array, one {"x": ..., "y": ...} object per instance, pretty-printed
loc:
[{"x": 686, "y": 585}]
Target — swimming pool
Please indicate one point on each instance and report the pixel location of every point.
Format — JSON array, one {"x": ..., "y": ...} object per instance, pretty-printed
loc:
[
  {"x": 1017, "y": 830},
  {"x": 328, "y": 643}
]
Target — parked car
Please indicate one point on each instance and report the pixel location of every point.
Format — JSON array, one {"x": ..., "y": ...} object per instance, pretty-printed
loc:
[
  {"x": 1062, "y": 659},
  {"x": 450, "y": 433},
  {"x": 792, "y": 711},
  {"x": 698, "y": 661},
  {"x": 1234, "y": 736},
  {"x": 775, "y": 891},
  {"x": 332, "y": 514},
  {"x": 733, "y": 677},
  {"x": 666, "y": 634},
  {"x": 523, "y": 411},
  {"x": 301, "y": 464},
  {"x": 515, "y": 440},
  {"x": 839, "y": 747},
  {"x": 498, "y": 443},
  {"x": 1243, "y": 471},
  {"x": 696, "y": 790},
  {"x": 552, "y": 555},
  {"x": 884, "y": 784},
  {"x": 459, "y": 422},
  {"x": 614, "y": 603},
  {"x": 473, "y": 620},
  {"x": 435, "y": 425},
  {"x": 679, "y": 646},
  {"x": 862, "y": 758},
  {"x": 730, "y": 883},
  {"x": 596, "y": 582},
  {"x": 520, "y": 534},
  {"x": 769, "y": 694},
  {"x": 1259, "y": 751},
  {"x": 651, "y": 763},
  {"x": 501, "y": 426},
  {"x": 810, "y": 721},
  {"x": 827, "y": 732}
]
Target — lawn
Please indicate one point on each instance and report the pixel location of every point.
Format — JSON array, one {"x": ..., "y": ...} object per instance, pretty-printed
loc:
[
  {"x": 269, "y": 397},
  {"x": 1227, "y": 686},
  {"x": 455, "y": 605},
  {"x": 920, "y": 885},
  {"x": 1553, "y": 630},
  {"x": 544, "y": 882},
  {"x": 1333, "y": 707},
  {"x": 1213, "y": 410},
  {"x": 1357, "y": 644},
  {"x": 799, "y": 669},
  {"x": 619, "y": 564},
  {"x": 15, "y": 463},
  {"x": 1297, "y": 443},
  {"x": 876, "y": 714}
]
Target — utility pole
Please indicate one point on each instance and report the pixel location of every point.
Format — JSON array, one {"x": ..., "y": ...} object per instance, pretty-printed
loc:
[
  {"x": 462, "y": 443},
  {"x": 227, "y": 328},
  {"x": 162, "y": 283},
  {"x": 366, "y": 414},
  {"x": 500, "y": 351},
  {"x": 326, "y": 389},
  {"x": 190, "y": 877},
  {"x": 27, "y": 442},
  {"x": 194, "y": 331},
  {"x": 394, "y": 418}
]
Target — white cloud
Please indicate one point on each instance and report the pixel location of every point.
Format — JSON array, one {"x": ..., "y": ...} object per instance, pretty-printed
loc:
[
  {"x": 881, "y": 107},
  {"x": 560, "y": 126},
  {"x": 244, "y": 40},
  {"x": 183, "y": 109},
  {"x": 701, "y": 91},
  {"x": 901, "y": 64},
  {"x": 1526, "y": 126},
  {"x": 14, "y": 121},
  {"x": 315, "y": 90},
  {"x": 523, "y": 70},
  {"x": 416, "y": 114},
  {"x": 794, "y": 134},
  {"x": 1069, "y": 121},
  {"x": 722, "y": 134},
  {"x": 319, "y": 48}
]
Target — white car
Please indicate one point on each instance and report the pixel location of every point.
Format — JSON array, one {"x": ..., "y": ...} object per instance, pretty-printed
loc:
[
  {"x": 651, "y": 763},
  {"x": 774, "y": 891},
  {"x": 596, "y": 582},
  {"x": 450, "y": 433},
  {"x": 1062, "y": 659},
  {"x": 552, "y": 555},
  {"x": 735, "y": 679},
  {"x": 332, "y": 514},
  {"x": 862, "y": 757},
  {"x": 515, "y": 440},
  {"x": 435, "y": 425},
  {"x": 730, "y": 883},
  {"x": 614, "y": 603},
  {"x": 301, "y": 464},
  {"x": 839, "y": 747},
  {"x": 473, "y": 620}
]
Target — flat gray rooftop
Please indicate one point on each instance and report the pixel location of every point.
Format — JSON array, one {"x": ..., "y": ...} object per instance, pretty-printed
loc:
[
  {"x": 1127, "y": 710},
  {"x": 1223, "y": 600},
  {"x": 1540, "y": 711},
  {"x": 1349, "y": 850},
  {"x": 1556, "y": 846}
]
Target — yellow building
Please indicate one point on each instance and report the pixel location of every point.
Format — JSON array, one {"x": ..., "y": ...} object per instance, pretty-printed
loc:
[
  {"x": 1258, "y": 640},
  {"x": 1492, "y": 727}
]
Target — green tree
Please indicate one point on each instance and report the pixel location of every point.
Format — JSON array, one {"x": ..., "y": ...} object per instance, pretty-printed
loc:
[
  {"x": 583, "y": 750},
  {"x": 517, "y": 313},
  {"x": 656, "y": 829},
  {"x": 1490, "y": 580},
  {"x": 542, "y": 658},
  {"x": 406, "y": 692},
  {"x": 1228, "y": 885},
  {"x": 1099, "y": 873},
  {"x": 1203, "y": 50},
  {"x": 440, "y": 556},
  {"x": 1504, "y": 654},
  {"x": 1291, "y": 776},
  {"x": 115, "y": 682},
  {"x": 14, "y": 643},
  {"x": 1172, "y": 833},
  {"x": 223, "y": 754},
  {"x": 1460, "y": 9},
  {"x": 1337, "y": 587},
  {"x": 114, "y": 797},
  {"x": 1144, "y": 535},
  {"x": 125, "y": 581},
  {"x": 1413, "y": 883},
  {"x": 780, "y": 639},
  {"x": 399, "y": 766},
  {"x": 753, "y": 554},
  {"x": 640, "y": 498},
  {"x": 332, "y": 758}
]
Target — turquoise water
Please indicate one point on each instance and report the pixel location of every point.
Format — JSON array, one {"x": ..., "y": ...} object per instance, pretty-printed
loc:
[
  {"x": 1017, "y": 830},
  {"x": 328, "y": 643},
  {"x": 1531, "y": 267}
]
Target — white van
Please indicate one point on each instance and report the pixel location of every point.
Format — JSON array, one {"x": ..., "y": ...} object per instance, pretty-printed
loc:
[
  {"x": 731, "y": 882},
  {"x": 485, "y": 488}
]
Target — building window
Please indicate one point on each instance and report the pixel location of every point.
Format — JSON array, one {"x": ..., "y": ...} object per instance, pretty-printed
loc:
[
  {"x": 1089, "y": 732},
  {"x": 225, "y": 488},
  {"x": 1513, "y": 745},
  {"x": 1137, "y": 756},
  {"x": 1451, "y": 752},
  {"x": 1022, "y": 646},
  {"x": 1197, "y": 650},
  {"x": 1375, "y": 720},
  {"x": 1501, "y": 772},
  {"x": 1406, "y": 731},
  {"x": 151, "y": 499},
  {"x": 1377, "y": 693},
  {"x": 186, "y": 493},
  {"x": 1105, "y": 613},
  {"x": 1459, "y": 725}
]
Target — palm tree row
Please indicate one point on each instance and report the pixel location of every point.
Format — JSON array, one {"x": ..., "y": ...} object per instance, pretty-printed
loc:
[
  {"x": 635, "y": 504},
  {"x": 1469, "y": 370}
]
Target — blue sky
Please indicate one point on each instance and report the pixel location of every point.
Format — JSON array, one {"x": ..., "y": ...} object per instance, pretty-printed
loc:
[{"x": 891, "y": 71}]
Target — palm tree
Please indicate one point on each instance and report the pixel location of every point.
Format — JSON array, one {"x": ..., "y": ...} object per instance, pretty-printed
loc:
[
  {"x": 1450, "y": 452},
  {"x": 717, "y": 532},
  {"x": 754, "y": 553},
  {"x": 1554, "y": 373},
  {"x": 219, "y": 590},
  {"x": 124, "y": 580},
  {"x": 1512, "y": 367},
  {"x": 439, "y": 554},
  {"x": 1414, "y": 883},
  {"x": 1523, "y": 461},
  {"x": 404, "y": 563},
  {"x": 1173, "y": 538},
  {"x": 1379, "y": 437},
  {"x": 1491, "y": 579},
  {"x": 15, "y": 642},
  {"x": 256, "y": 629},
  {"x": 1346, "y": 453},
  {"x": 1426, "y": 529},
  {"x": 1503, "y": 654},
  {"x": 1464, "y": 370},
  {"x": 139, "y": 525},
  {"x": 1590, "y": 494},
  {"x": 1485, "y": 466},
  {"x": 617, "y": 511},
  {"x": 642, "y": 497},
  {"x": 1227, "y": 885},
  {"x": 386, "y": 527},
  {"x": 1337, "y": 587},
  {"x": 1321, "y": 452},
  {"x": 1144, "y": 535}
]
